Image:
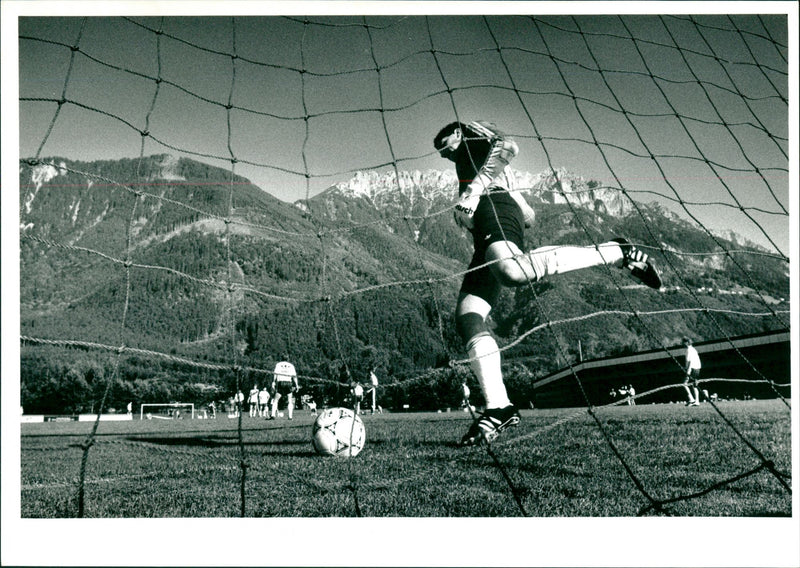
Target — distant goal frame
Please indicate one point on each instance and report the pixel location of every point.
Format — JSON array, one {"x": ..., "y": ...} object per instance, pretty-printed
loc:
[{"x": 189, "y": 405}]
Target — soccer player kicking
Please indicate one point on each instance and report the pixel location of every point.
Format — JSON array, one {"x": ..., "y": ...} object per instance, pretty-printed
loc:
[{"x": 497, "y": 216}]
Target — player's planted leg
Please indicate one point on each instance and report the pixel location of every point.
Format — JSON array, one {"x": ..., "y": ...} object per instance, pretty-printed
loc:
[
  {"x": 490, "y": 424},
  {"x": 485, "y": 363},
  {"x": 275, "y": 398}
]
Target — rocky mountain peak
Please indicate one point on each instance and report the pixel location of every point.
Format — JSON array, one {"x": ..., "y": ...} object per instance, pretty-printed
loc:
[
  {"x": 555, "y": 187},
  {"x": 561, "y": 186},
  {"x": 372, "y": 184}
]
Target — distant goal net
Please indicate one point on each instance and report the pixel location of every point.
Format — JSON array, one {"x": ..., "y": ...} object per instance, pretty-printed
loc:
[{"x": 167, "y": 411}]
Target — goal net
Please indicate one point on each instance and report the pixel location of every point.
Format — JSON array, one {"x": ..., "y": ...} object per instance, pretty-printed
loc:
[
  {"x": 166, "y": 411},
  {"x": 672, "y": 130}
]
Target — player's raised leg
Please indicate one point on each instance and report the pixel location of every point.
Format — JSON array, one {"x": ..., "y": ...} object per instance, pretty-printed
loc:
[{"x": 513, "y": 268}]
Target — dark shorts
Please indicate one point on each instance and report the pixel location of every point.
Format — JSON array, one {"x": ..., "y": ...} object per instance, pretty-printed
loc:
[
  {"x": 283, "y": 387},
  {"x": 691, "y": 379},
  {"x": 497, "y": 218}
]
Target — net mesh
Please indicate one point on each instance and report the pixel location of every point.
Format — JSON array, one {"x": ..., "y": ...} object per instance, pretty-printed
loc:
[{"x": 689, "y": 111}]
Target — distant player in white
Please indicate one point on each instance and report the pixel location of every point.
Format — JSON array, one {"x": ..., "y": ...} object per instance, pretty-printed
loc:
[
  {"x": 358, "y": 395},
  {"x": 308, "y": 401},
  {"x": 373, "y": 378},
  {"x": 465, "y": 392},
  {"x": 692, "y": 373},
  {"x": 284, "y": 382},
  {"x": 252, "y": 401},
  {"x": 263, "y": 400},
  {"x": 631, "y": 394},
  {"x": 238, "y": 403}
]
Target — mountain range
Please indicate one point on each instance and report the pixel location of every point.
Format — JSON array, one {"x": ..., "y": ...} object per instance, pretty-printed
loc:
[{"x": 205, "y": 265}]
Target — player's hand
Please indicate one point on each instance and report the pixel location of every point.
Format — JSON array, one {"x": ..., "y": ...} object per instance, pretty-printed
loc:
[{"x": 465, "y": 209}]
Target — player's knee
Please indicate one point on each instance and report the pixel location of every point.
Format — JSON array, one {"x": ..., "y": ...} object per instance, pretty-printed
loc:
[
  {"x": 469, "y": 325},
  {"x": 511, "y": 273}
]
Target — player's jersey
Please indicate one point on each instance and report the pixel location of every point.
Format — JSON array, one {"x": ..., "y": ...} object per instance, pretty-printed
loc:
[
  {"x": 285, "y": 373},
  {"x": 692, "y": 358}
]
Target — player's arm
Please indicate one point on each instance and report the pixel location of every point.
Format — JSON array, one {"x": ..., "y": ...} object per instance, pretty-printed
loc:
[{"x": 503, "y": 150}]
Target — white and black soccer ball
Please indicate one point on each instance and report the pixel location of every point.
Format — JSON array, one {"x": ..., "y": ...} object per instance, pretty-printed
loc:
[{"x": 338, "y": 432}]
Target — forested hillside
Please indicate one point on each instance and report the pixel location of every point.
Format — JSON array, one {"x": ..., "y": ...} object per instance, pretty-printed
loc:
[{"x": 183, "y": 260}]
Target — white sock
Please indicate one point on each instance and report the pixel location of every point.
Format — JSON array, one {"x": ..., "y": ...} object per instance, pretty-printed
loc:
[
  {"x": 485, "y": 363},
  {"x": 558, "y": 260}
]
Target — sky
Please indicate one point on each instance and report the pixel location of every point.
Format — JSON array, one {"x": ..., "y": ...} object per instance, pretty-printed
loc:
[
  {"x": 315, "y": 98},
  {"x": 372, "y": 92}
]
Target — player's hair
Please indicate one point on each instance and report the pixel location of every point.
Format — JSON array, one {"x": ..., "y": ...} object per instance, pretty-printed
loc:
[
  {"x": 447, "y": 131},
  {"x": 687, "y": 341}
]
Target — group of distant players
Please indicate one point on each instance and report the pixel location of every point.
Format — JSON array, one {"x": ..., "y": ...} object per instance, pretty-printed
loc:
[
  {"x": 626, "y": 391},
  {"x": 357, "y": 393},
  {"x": 284, "y": 384},
  {"x": 264, "y": 402}
]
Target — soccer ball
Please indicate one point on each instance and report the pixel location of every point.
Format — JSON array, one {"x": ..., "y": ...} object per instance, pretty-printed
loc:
[{"x": 338, "y": 432}]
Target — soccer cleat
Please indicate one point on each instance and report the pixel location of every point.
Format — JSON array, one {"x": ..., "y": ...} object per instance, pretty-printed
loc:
[
  {"x": 489, "y": 425},
  {"x": 695, "y": 403},
  {"x": 639, "y": 264}
]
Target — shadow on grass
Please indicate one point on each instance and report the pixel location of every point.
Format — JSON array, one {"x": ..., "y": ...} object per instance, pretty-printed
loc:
[
  {"x": 190, "y": 442},
  {"x": 227, "y": 442}
]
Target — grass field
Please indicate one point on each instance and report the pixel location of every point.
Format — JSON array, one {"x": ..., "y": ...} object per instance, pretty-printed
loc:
[{"x": 558, "y": 460}]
